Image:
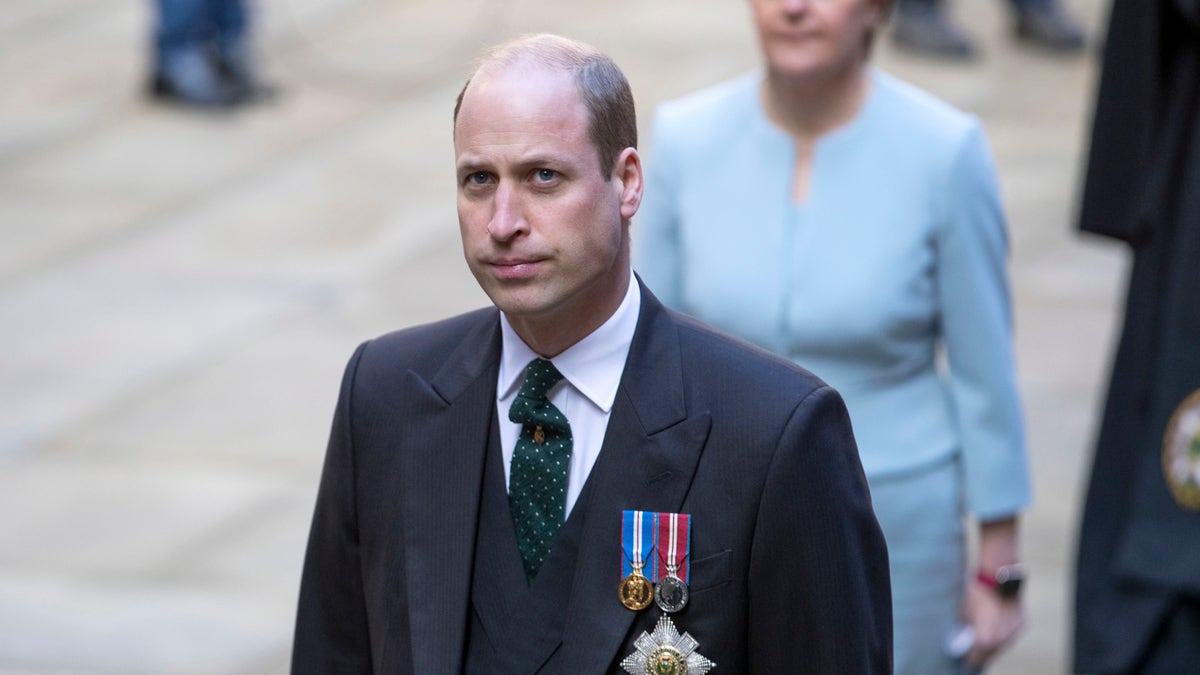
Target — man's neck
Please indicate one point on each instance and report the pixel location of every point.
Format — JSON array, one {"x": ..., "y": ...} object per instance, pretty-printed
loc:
[{"x": 549, "y": 337}]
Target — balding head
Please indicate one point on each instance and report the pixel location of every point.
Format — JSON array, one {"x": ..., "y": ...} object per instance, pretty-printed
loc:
[{"x": 602, "y": 87}]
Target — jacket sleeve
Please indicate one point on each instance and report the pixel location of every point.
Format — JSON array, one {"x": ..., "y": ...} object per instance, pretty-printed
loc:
[
  {"x": 819, "y": 589},
  {"x": 976, "y": 329},
  {"x": 331, "y": 620},
  {"x": 1121, "y": 151}
]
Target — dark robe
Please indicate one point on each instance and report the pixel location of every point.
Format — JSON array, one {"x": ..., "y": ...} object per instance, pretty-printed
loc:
[{"x": 1139, "y": 550}]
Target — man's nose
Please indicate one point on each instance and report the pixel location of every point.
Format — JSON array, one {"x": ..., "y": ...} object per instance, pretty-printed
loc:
[{"x": 508, "y": 218}]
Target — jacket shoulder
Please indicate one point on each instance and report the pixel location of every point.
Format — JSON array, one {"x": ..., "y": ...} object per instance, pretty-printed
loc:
[
  {"x": 919, "y": 118},
  {"x": 710, "y": 113},
  {"x": 425, "y": 347}
]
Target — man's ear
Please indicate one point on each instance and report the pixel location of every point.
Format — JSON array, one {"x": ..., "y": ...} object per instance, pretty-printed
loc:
[{"x": 627, "y": 178}]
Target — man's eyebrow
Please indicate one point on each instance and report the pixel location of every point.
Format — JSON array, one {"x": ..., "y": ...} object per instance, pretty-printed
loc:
[
  {"x": 543, "y": 159},
  {"x": 471, "y": 166},
  {"x": 556, "y": 159}
]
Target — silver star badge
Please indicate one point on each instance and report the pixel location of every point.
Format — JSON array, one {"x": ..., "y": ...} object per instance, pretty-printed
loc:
[{"x": 666, "y": 652}]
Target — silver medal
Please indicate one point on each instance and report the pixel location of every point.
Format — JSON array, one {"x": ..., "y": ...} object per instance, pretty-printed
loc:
[{"x": 671, "y": 594}]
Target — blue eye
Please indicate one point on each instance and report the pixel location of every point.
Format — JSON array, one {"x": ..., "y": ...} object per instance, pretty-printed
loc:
[
  {"x": 546, "y": 175},
  {"x": 479, "y": 177}
]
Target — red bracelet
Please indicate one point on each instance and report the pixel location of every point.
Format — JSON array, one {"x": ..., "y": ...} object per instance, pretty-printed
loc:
[
  {"x": 986, "y": 579},
  {"x": 1006, "y": 582}
]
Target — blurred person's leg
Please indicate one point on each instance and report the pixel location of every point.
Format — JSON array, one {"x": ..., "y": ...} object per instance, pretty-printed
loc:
[
  {"x": 184, "y": 70},
  {"x": 1046, "y": 24},
  {"x": 231, "y": 20},
  {"x": 235, "y": 53},
  {"x": 923, "y": 26}
]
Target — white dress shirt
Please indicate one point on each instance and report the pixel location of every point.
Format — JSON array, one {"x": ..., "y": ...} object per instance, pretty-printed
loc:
[{"x": 591, "y": 370}]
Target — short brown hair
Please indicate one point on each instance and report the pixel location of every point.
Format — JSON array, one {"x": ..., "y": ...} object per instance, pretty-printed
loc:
[{"x": 612, "y": 123}]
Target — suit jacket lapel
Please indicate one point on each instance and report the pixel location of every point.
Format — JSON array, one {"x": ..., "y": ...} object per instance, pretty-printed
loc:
[
  {"x": 442, "y": 494},
  {"x": 647, "y": 462}
]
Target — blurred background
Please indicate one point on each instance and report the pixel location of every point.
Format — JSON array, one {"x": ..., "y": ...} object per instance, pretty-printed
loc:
[{"x": 180, "y": 289}]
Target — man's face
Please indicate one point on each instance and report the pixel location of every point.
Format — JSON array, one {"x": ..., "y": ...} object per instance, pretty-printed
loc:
[{"x": 544, "y": 231}]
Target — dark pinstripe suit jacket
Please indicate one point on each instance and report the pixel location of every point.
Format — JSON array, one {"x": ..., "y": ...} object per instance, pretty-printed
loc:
[{"x": 789, "y": 568}]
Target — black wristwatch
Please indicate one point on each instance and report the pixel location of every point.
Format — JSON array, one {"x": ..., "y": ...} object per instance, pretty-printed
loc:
[{"x": 1006, "y": 582}]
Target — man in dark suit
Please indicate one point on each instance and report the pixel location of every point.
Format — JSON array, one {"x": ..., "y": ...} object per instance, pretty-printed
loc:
[
  {"x": 1137, "y": 593},
  {"x": 470, "y": 514}
]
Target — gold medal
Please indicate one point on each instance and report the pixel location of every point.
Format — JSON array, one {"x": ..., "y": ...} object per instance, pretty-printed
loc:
[
  {"x": 1181, "y": 453},
  {"x": 636, "y": 591}
]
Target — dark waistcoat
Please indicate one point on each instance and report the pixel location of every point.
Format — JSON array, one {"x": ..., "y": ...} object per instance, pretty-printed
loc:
[{"x": 514, "y": 626}]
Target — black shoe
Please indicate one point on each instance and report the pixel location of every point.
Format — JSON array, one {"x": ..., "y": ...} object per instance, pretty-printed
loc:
[
  {"x": 237, "y": 69},
  {"x": 927, "y": 30},
  {"x": 1046, "y": 25}
]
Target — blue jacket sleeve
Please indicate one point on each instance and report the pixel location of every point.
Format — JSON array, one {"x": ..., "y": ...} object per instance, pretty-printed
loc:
[{"x": 976, "y": 325}]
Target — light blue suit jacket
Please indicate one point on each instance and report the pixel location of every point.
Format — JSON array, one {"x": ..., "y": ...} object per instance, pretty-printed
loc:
[{"x": 889, "y": 282}]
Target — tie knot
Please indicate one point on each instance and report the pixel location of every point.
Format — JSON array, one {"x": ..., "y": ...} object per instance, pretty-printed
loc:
[
  {"x": 531, "y": 404},
  {"x": 540, "y": 375}
]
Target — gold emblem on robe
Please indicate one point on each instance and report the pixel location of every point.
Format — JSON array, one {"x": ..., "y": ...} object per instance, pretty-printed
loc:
[{"x": 1181, "y": 453}]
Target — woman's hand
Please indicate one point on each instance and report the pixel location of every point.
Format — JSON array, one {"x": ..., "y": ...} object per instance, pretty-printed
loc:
[
  {"x": 996, "y": 621},
  {"x": 996, "y": 618}
]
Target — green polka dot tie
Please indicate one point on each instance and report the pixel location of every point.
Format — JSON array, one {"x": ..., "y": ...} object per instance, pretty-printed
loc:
[{"x": 537, "y": 483}]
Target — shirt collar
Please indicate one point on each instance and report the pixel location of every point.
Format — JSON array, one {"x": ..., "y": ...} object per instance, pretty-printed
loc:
[{"x": 593, "y": 365}]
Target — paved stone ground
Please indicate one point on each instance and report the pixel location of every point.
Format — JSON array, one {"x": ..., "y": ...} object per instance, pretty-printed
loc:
[{"x": 179, "y": 292}]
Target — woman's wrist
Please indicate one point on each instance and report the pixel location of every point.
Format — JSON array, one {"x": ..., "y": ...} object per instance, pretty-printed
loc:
[
  {"x": 1006, "y": 581},
  {"x": 998, "y": 544}
]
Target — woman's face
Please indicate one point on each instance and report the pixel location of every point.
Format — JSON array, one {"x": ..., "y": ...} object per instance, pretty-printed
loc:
[{"x": 811, "y": 37}]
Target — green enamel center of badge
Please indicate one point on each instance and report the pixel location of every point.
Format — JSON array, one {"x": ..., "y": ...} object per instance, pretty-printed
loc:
[{"x": 668, "y": 661}]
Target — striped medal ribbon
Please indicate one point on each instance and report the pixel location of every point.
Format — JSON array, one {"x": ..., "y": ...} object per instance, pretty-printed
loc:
[
  {"x": 673, "y": 544},
  {"x": 637, "y": 545}
]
